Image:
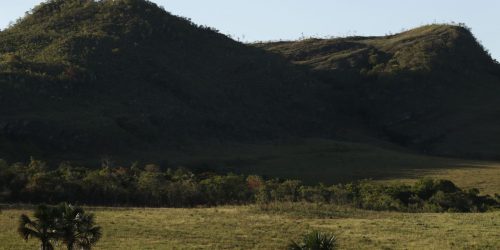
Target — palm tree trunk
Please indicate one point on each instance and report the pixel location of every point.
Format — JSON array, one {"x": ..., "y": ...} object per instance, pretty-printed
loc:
[
  {"x": 70, "y": 245},
  {"x": 46, "y": 245}
]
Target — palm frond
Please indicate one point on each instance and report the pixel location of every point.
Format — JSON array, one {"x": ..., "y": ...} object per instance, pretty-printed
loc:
[
  {"x": 294, "y": 246},
  {"x": 77, "y": 228},
  {"x": 27, "y": 228},
  {"x": 26, "y": 233}
]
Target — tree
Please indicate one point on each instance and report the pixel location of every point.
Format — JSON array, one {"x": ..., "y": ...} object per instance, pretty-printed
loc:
[
  {"x": 151, "y": 183},
  {"x": 66, "y": 223},
  {"x": 77, "y": 228},
  {"x": 43, "y": 227}
]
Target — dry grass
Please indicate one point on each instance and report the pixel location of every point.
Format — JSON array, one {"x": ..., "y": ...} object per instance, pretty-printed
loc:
[
  {"x": 330, "y": 162},
  {"x": 483, "y": 176},
  {"x": 249, "y": 228}
]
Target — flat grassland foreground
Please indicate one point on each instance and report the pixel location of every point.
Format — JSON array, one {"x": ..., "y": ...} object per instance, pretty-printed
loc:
[{"x": 247, "y": 227}]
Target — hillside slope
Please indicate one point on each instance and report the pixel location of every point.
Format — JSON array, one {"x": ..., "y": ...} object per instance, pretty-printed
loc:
[
  {"x": 91, "y": 78},
  {"x": 433, "y": 88}
]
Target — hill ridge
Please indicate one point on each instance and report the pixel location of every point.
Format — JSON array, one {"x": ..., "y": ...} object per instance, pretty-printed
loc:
[
  {"x": 421, "y": 88},
  {"x": 422, "y": 41}
]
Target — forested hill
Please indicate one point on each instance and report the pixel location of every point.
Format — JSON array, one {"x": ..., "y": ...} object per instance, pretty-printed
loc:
[
  {"x": 433, "y": 88},
  {"x": 95, "y": 78},
  {"x": 81, "y": 79}
]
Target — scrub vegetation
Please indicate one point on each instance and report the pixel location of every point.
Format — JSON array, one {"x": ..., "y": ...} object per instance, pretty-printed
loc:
[{"x": 149, "y": 185}]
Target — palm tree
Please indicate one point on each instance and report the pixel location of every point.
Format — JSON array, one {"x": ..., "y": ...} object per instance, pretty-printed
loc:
[
  {"x": 315, "y": 241},
  {"x": 42, "y": 227},
  {"x": 77, "y": 228}
]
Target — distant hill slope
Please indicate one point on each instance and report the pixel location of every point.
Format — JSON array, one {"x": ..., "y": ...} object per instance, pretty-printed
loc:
[
  {"x": 121, "y": 77},
  {"x": 433, "y": 88}
]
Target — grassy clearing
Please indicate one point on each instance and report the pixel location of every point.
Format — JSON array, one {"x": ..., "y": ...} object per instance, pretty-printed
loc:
[
  {"x": 249, "y": 228},
  {"x": 330, "y": 162},
  {"x": 482, "y": 175}
]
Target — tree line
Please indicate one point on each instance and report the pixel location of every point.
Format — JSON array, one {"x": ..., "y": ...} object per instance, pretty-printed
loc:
[{"x": 150, "y": 185}]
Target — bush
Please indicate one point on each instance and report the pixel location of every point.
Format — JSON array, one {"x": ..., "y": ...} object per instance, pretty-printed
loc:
[
  {"x": 149, "y": 185},
  {"x": 315, "y": 241}
]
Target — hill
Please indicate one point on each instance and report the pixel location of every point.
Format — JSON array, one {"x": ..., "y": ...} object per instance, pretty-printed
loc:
[
  {"x": 84, "y": 79},
  {"x": 81, "y": 80},
  {"x": 433, "y": 88}
]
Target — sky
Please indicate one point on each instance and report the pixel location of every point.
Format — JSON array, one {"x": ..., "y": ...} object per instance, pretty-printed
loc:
[{"x": 263, "y": 20}]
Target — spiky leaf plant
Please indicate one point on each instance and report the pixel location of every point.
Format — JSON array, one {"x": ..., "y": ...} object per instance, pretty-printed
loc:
[{"x": 315, "y": 241}]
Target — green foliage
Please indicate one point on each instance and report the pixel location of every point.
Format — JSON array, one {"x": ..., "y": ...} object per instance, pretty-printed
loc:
[
  {"x": 315, "y": 241},
  {"x": 76, "y": 228},
  {"x": 229, "y": 189},
  {"x": 65, "y": 223},
  {"x": 149, "y": 185},
  {"x": 126, "y": 77},
  {"x": 43, "y": 227},
  {"x": 418, "y": 88}
]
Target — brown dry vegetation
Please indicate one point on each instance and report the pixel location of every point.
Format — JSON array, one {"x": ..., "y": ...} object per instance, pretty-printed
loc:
[{"x": 249, "y": 228}]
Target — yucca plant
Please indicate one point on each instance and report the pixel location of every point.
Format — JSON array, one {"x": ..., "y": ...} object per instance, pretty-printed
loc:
[{"x": 315, "y": 241}]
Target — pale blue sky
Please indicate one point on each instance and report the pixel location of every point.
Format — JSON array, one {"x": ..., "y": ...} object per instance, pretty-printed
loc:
[{"x": 290, "y": 19}]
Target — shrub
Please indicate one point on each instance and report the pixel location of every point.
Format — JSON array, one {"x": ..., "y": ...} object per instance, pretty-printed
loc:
[
  {"x": 315, "y": 241},
  {"x": 151, "y": 185}
]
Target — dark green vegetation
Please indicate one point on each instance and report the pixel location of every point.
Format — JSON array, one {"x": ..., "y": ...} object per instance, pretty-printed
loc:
[
  {"x": 65, "y": 223},
  {"x": 125, "y": 77},
  {"x": 315, "y": 241},
  {"x": 40, "y": 228},
  {"x": 80, "y": 80},
  {"x": 433, "y": 89},
  {"x": 149, "y": 185}
]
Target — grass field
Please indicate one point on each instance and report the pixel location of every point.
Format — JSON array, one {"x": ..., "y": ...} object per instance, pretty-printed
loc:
[
  {"x": 330, "y": 162},
  {"x": 249, "y": 228},
  {"x": 484, "y": 176}
]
